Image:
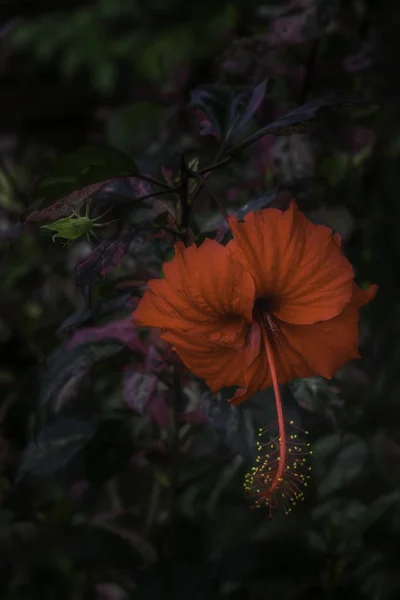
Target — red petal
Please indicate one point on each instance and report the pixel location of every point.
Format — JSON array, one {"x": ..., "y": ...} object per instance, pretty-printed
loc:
[
  {"x": 203, "y": 289},
  {"x": 328, "y": 345},
  {"x": 295, "y": 264}
]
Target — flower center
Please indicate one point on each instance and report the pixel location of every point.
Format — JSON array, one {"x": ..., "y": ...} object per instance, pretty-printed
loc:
[{"x": 264, "y": 315}]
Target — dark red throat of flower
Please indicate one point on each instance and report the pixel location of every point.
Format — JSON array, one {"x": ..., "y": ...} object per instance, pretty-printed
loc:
[{"x": 282, "y": 470}]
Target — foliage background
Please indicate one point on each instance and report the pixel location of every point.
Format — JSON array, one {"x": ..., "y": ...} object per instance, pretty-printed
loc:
[{"x": 116, "y": 481}]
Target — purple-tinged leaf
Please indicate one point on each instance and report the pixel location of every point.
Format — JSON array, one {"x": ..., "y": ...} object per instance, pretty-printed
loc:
[
  {"x": 122, "y": 330},
  {"x": 74, "y": 178},
  {"x": 65, "y": 369},
  {"x": 137, "y": 389},
  {"x": 158, "y": 410},
  {"x": 247, "y": 105},
  {"x": 55, "y": 446},
  {"x": 100, "y": 309},
  {"x": 105, "y": 256},
  {"x": 298, "y": 119},
  {"x": 225, "y": 111}
]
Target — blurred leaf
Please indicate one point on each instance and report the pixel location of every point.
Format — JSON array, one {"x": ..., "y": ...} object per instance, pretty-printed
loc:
[
  {"x": 347, "y": 467},
  {"x": 225, "y": 111},
  {"x": 75, "y": 178},
  {"x": 55, "y": 446}
]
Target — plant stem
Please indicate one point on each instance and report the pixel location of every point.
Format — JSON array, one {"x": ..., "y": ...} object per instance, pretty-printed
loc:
[
  {"x": 213, "y": 196},
  {"x": 160, "y": 193}
]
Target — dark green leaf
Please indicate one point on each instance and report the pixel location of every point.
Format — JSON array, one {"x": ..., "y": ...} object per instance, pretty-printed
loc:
[
  {"x": 75, "y": 178},
  {"x": 55, "y": 446}
]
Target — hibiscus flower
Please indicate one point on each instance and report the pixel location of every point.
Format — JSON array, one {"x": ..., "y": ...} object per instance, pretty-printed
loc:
[{"x": 278, "y": 302}]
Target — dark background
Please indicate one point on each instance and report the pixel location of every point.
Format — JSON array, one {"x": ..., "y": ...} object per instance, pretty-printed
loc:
[{"x": 112, "y": 486}]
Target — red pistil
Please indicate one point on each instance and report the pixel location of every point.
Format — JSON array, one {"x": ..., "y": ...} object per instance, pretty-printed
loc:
[{"x": 282, "y": 469}]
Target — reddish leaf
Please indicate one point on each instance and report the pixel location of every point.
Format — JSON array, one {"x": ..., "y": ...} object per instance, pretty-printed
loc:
[{"x": 66, "y": 204}]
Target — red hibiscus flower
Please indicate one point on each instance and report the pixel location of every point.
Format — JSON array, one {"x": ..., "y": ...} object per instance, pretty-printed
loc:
[{"x": 277, "y": 303}]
